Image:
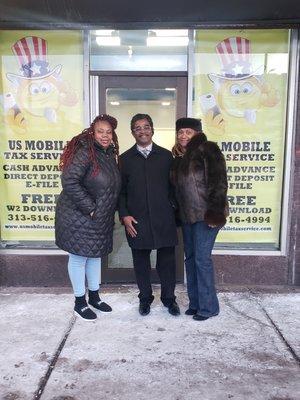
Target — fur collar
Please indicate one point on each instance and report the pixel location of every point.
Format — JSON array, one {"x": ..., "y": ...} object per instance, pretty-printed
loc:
[{"x": 196, "y": 142}]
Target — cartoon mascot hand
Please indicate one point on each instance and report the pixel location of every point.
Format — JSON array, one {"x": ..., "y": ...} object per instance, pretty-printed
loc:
[{"x": 269, "y": 95}]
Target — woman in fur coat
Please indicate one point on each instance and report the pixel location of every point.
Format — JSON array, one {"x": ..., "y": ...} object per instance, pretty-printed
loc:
[{"x": 199, "y": 177}]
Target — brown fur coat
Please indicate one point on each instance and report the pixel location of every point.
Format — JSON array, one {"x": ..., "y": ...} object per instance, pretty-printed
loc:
[{"x": 200, "y": 182}]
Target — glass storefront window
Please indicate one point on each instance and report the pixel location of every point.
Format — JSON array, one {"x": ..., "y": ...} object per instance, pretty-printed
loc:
[
  {"x": 159, "y": 103},
  {"x": 41, "y": 108},
  {"x": 240, "y": 93},
  {"x": 123, "y": 104},
  {"x": 139, "y": 50}
]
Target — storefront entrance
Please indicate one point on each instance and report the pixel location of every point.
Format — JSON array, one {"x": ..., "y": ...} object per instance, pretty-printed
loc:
[
  {"x": 164, "y": 99},
  {"x": 243, "y": 84}
]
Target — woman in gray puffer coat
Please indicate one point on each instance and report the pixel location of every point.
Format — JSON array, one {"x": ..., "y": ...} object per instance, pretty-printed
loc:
[
  {"x": 86, "y": 207},
  {"x": 200, "y": 180}
]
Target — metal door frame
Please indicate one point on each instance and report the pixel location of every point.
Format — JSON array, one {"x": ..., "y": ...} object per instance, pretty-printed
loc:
[{"x": 99, "y": 81}]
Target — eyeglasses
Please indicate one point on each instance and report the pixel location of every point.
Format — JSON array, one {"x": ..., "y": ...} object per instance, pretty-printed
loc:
[
  {"x": 138, "y": 129},
  {"x": 187, "y": 132}
]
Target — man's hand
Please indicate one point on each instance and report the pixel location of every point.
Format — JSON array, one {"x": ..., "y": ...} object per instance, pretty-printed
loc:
[{"x": 128, "y": 222}]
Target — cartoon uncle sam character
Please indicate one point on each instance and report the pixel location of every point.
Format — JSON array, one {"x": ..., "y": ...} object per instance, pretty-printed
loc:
[
  {"x": 239, "y": 91},
  {"x": 38, "y": 91}
]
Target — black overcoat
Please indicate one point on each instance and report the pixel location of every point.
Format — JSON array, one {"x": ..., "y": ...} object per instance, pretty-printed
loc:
[
  {"x": 146, "y": 194},
  {"x": 83, "y": 192}
]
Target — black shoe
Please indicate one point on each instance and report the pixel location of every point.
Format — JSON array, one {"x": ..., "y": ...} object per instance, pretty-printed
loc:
[
  {"x": 85, "y": 313},
  {"x": 101, "y": 305},
  {"x": 144, "y": 309},
  {"x": 174, "y": 309},
  {"x": 190, "y": 311},
  {"x": 82, "y": 310},
  {"x": 95, "y": 301},
  {"x": 198, "y": 317}
]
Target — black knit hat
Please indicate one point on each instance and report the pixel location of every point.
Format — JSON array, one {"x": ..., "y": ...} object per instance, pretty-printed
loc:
[{"x": 192, "y": 123}]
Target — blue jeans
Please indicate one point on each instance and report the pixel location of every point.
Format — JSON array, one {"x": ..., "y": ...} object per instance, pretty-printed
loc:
[
  {"x": 78, "y": 268},
  {"x": 199, "y": 241}
]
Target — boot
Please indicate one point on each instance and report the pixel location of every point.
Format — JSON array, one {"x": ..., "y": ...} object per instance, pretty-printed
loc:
[
  {"x": 144, "y": 308},
  {"x": 174, "y": 309}
]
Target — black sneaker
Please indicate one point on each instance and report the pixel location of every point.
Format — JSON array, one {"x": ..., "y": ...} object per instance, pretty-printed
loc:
[
  {"x": 101, "y": 305},
  {"x": 174, "y": 309},
  {"x": 190, "y": 311},
  {"x": 144, "y": 309},
  {"x": 85, "y": 313}
]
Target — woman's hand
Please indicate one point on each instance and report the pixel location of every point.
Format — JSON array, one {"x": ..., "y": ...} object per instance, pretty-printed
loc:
[{"x": 128, "y": 222}]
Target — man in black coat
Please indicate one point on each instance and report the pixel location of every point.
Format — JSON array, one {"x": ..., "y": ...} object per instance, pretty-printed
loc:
[{"x": 145, "y": 207}]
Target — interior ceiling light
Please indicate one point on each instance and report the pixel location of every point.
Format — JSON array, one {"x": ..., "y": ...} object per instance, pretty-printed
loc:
[
  {"x": 115, "y": 103},
  {"x": 165, "y": 103},
  {"x": 170, "y": 89},
  {"x": 167, "y": 41},
  {"x": 108, "y": 40},
  {"x": 169, "y": 32},
  {"x": 104, "y": 32}
]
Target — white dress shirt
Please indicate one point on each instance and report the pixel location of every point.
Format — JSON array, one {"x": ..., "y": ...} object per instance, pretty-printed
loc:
[{"x": 144, "y": 150}]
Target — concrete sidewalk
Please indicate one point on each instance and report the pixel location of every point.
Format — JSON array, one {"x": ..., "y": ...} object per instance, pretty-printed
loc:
[{"x": 250, "y": 351}]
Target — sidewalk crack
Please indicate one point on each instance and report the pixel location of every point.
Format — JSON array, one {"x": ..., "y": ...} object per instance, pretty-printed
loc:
[
  {"x": 284, "y": 340},
  {"x": 243, "y": 314},
  {"x": 278, "y": 331},
  {"x": 43, "y": 381}
]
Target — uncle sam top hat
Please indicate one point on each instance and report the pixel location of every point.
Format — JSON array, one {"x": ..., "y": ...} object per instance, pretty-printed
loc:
[
  {"x": 235, "y": 57},
  {"x": 31, "y": 52}
]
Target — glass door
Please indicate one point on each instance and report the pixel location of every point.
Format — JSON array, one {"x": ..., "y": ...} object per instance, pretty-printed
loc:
[{"x": 164, "y": 99}]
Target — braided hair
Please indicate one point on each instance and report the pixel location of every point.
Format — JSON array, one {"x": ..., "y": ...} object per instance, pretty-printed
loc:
[{"x": 88, "y": 136}]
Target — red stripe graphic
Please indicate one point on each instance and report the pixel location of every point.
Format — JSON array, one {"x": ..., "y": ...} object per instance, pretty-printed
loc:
[
  {"x": 26, "y": 50},
  {"x": 44, "y": 48},
  {"x": 229, "y": 50},
  {"x": 247, "y": 52},
  {"x": 222, "y": 56},
  {"x": 239, "y": 44},
  {"x": 35, "y": 44},
  {"x": 16, "y": 49}
]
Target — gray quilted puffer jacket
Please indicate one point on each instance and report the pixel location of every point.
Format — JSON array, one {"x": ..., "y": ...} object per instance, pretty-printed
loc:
[{"x": 75, "y": 230}]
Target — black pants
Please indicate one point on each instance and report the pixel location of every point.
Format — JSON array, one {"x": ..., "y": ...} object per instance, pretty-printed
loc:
[{"x": 165, "y": 267}]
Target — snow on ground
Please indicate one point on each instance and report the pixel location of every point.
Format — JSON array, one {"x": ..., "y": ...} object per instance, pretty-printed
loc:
[{"x": 237, "y": 355}]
